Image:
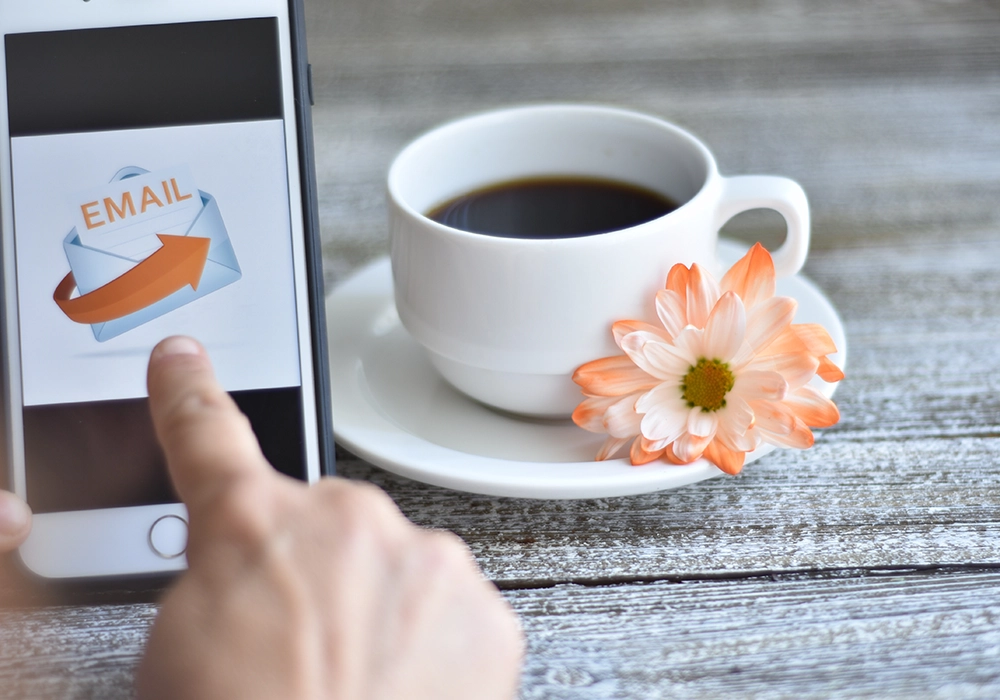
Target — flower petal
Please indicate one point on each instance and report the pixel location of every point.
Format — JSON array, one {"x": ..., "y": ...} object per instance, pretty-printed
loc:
[
  {"x": 828, "y": 371},
  {"x": 612, "y": 376},
  {"x": 787, "y": 341},
  {"x": 752, "y": 277},
  {"x": 669, "y": 361},
  {"x": 816, "y": 338},
  {"x": 729, "y": 461},
  {"x": 621, "y": 420},
  {"x": 589, "y": 415},
  {"x": 677, "y": 280},
  {"x": 702, "y": 423},
  {"x": 753, "y": 384},
  {"x": 687, "y": 448},
  {"x": 743, "y": 356},
  {"x": 725, "y": 328},
  {"x": 638, "y": 455},
  {"x": 672, "y": 311},
  {"x": 773, "y": 417},
  {"x": 668, "y": 454},
  {"x": 622, "y": 328},
  {"x": 661, "y": 393},
  {"x": 778, "y": 425},
  {"x": 800, "y": 436},
  {"x": 768, "y": 319},
  {"x": 610, "y": 447},
  {"x": 737, "y": 417},
  {"x": 690, "y": 345},
  {"x": 702, "y": 295},
  {"x": 655, "y": 445},
  {"x": 811, "y": 339},
  {"x": 634, "y": 344},
  {"x": 663, "y": 418},
  {"x": 796, "y": 368},
  {"x": 815, "y": 410},
  {"x": 745, "y": 442}
]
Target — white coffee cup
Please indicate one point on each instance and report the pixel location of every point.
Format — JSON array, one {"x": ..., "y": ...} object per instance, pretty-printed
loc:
[{"x": 507, "y": 320}]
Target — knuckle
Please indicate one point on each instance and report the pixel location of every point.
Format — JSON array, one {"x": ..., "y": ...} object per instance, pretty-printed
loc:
[
  {"x": 206, "y": 428},
  {"x": 241, "y": 515},
  {"x": 358, "y": 504},
  {"x": 359, "y": 516},
  {"x": 193, "y": 407},
  {"x": 353, "y": 491},
  {"x": 448, "y": 564},
  {"x": 445, "y": 554}
]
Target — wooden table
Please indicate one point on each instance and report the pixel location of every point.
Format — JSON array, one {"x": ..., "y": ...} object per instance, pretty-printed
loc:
[{"x": 865, "y": 567}]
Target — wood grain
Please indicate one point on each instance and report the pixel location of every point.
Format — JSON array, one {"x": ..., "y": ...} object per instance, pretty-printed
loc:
[
  {"x": 874, "y": 636},
  {"x": 868, "y": 566},
  {"x": 72, "y": 652},
  {"x": 871, "y": 106},
  {"x": 804, "y": 636},
  {"x": 841, "y": 505}
]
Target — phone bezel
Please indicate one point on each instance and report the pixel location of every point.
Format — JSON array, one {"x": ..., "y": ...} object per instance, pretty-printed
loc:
[{"x": 114, "y": 542}]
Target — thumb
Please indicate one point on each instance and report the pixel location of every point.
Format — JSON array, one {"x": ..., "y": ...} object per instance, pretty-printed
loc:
[
  {"x": 208, "y": 442},
  {"x": 15, "y": 521}
]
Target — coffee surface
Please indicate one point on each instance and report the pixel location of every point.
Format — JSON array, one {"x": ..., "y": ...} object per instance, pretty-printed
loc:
[{"x": 552, "y": 207}]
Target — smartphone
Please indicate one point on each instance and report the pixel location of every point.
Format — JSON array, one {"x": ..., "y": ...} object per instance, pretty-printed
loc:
[{"x": 156, "y": 178}]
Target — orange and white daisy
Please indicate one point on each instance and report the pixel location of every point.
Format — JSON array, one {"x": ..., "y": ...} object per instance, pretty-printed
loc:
[{"x": 726, "y": 371}]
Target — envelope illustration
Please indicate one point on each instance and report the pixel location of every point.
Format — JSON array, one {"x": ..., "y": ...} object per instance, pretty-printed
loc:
[{"x": 134, "y": 275}]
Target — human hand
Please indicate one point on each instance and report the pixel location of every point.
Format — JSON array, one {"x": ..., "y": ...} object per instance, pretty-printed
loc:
[
  {"x": 15, "y": 521},
  {"x": 295, "y": 591}
]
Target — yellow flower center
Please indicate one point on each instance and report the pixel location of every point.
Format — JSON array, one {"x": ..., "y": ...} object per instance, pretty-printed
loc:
[{"x": 706, "y": 385}]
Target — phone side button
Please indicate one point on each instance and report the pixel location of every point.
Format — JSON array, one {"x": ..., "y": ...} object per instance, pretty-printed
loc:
[{"x": 168, "y": 536}]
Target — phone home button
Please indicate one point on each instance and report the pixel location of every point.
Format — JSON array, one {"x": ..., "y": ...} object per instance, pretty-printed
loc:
[{"x": 168, "y": 536}]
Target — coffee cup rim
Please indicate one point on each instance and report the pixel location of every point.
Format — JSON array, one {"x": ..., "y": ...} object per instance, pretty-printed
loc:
[{"x": 477, "y": 118}]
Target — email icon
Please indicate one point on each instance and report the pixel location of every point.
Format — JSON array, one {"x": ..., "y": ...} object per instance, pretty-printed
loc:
[{"x": 142, "y": 246}]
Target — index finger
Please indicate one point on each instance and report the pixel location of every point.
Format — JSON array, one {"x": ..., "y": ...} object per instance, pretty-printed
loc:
[{"x": 208, "y": 442}]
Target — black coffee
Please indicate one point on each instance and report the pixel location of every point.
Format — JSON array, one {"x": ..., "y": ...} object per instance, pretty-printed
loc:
[{"x": 552, "y": 207}]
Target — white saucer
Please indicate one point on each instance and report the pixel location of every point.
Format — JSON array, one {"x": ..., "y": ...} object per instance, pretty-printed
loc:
[{"x": 391, "y": 408}]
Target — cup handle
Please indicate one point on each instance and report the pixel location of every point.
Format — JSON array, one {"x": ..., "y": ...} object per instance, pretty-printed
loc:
[{"x": 786, "y": 197}]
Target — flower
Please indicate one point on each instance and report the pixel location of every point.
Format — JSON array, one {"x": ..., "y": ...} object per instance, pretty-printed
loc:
[{"x": 727, "y": 371}]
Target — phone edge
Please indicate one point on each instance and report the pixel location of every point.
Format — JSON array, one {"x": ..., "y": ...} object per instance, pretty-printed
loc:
[{"x": 302, "y": 91}]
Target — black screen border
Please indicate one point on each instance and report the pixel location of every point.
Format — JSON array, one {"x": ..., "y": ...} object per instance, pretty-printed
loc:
[{"x": 81, "y": 80}]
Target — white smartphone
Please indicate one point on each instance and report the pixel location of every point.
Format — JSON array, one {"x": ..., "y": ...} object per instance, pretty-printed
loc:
[{"x": 156, "y": 178}]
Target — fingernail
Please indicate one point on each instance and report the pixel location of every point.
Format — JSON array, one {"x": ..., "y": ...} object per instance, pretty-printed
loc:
[
  {"x": 14, "y": 514},
  {"x": 178, "y": 345}
]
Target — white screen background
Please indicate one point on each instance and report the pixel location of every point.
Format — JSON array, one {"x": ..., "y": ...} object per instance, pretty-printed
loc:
[{"x": 248, "y": 327}]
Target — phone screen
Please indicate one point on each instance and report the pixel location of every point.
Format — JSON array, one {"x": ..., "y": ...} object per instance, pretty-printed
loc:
[{"x": 151, "y": 196}]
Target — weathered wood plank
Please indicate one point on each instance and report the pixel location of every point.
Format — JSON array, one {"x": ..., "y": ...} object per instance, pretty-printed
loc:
[
  {"x": 880, "y": 110},
  {"x": 892, "y": 635},
  {"x": 72, "y": 652},
  {"x": 941, "y": 191},
  {"x": 916, "y": 636},
  {"x": 877, "y": 503},
  {"x": 888, "y": 114}
]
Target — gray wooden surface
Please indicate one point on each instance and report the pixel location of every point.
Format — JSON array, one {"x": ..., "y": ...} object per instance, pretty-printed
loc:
[{"x": 868, "y": 566}]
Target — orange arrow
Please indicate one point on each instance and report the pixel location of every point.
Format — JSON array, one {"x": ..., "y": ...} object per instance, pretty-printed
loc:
[{"x": 179, "y": 262}]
